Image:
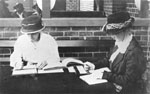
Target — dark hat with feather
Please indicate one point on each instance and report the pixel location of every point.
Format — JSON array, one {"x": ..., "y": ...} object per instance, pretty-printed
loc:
[{"x": 117, "y": 22}]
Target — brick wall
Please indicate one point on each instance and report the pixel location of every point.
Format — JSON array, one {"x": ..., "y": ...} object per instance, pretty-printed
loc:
[
  {"x": 147, "y": 73},
  {"x": 78, "y": 29},
  {"x": 132, "y": 9},
  {"x": 72, "y": 29},
  {"x": 111, "y": 6},
  {"x": 143, "y": 12},
  {"x": 60, "y": 32}
]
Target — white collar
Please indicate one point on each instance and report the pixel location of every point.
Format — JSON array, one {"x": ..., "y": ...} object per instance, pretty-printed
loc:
[
  {"x": 122, "y": 46},
  {"x": 20, "y": 15}
]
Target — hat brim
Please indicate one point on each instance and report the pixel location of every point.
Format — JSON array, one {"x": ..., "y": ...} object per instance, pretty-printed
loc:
[
  {"x": 114, "y": 31},
  {"x": 118, "y": 30},
  {"x": 25, "y": 31}
]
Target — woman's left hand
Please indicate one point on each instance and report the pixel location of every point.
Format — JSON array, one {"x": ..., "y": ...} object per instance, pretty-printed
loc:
[{"x": 97, "y": 74}]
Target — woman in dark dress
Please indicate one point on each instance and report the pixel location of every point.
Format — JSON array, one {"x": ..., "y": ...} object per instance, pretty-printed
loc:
[
  {"x": 126, "y": 60},
  {"x": 19, "y": 11}
]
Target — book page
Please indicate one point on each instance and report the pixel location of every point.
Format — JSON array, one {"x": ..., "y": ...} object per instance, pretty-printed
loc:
[
  {"x": 29, "y": 67},
  {"x": 81, "y": 70},
  {"x": 91, "y": 79},
  {"x": 71, "y": 69},
  {"x": 55, "y": 66},
  {"x": 24, "y": 71},
  {"x": 68, "y": 61},
  {"x": 50, "y": 71}
]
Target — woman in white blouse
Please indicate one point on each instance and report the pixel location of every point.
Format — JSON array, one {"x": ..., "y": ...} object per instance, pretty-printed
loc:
[{"x": 34, "y": 47}]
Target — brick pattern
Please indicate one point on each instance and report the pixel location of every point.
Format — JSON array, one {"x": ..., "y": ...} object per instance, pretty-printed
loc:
[
  {"x": 135, "y": 12},
  {"x": 132, "y": 9},
  {"x": 130, "y": 1},
  {"x": 63, "y": 33},
  {"x": 112, "y": 6},
  {"x": 141, "y": 33},
  {"x": 75, "y": 33},
  {"x": 147, "y": 73}
]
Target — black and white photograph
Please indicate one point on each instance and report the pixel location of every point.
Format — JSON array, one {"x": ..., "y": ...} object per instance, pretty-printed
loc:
[{"x": 74, "y": 46}]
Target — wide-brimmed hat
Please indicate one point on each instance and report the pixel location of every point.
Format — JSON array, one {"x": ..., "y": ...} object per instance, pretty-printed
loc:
[
  {"x": 18, "y": 5},
  {"x": 117, "y": 22},
  {"x": 32, "y": 24}
]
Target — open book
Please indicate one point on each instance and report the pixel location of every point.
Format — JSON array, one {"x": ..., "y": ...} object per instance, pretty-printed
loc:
[
  {"x": 91, "y": 79},
  {"x": 74, "y": 65},
  {"x": 31, "y": 69},
  {"x": 68, "y": 63},
  {"x": 71, "y": 62}
]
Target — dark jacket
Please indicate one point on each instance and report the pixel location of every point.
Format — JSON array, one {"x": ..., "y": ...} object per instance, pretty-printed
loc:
[{"x": 127, "y": 68}]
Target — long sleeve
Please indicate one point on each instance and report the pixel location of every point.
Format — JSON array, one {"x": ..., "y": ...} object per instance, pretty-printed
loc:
[
  {"x": 133, "y": 65},
  {"x": 102, "y": 63},
  {"x": 53, "y": 57},
  {"x": 105, "y": 61},
  {"x": 16, "y": 55}
]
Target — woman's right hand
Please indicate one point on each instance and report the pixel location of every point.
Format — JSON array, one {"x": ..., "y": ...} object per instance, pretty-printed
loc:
[
  {"x": 19, "y": 66},
  {"x": 88, "y": 66}
]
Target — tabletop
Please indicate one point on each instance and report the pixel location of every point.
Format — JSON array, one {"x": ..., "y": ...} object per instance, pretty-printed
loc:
[{"x": 52, "y": 83}]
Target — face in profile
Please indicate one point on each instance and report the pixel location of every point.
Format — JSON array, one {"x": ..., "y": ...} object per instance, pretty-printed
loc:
[
  {"x": 118, "y": 37},
  {"x": 19, "y": 10}
]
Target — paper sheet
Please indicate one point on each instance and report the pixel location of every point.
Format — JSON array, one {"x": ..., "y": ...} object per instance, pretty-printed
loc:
[
  {"x": 81, "y": 70},
  {"x": 101, "y": 70},
  {"x": 50, "y": 71},
  {"x": 92, "y": 79},
  {"x": 71, "y": 69},
  {"x": 24, "y": 72}
]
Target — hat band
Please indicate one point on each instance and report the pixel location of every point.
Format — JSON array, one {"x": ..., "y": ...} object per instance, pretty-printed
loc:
[
  {"x": 32, "y": 27},
  {"x": 115, "y": 26}
]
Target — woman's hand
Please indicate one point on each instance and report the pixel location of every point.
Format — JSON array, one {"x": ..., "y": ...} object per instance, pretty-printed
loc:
[
  {"x": 42, "y": 65},
  {"x": 97, "y": 74},
  {"x": 88, "y": 66},
  {"x": 18, "y": 66}
]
